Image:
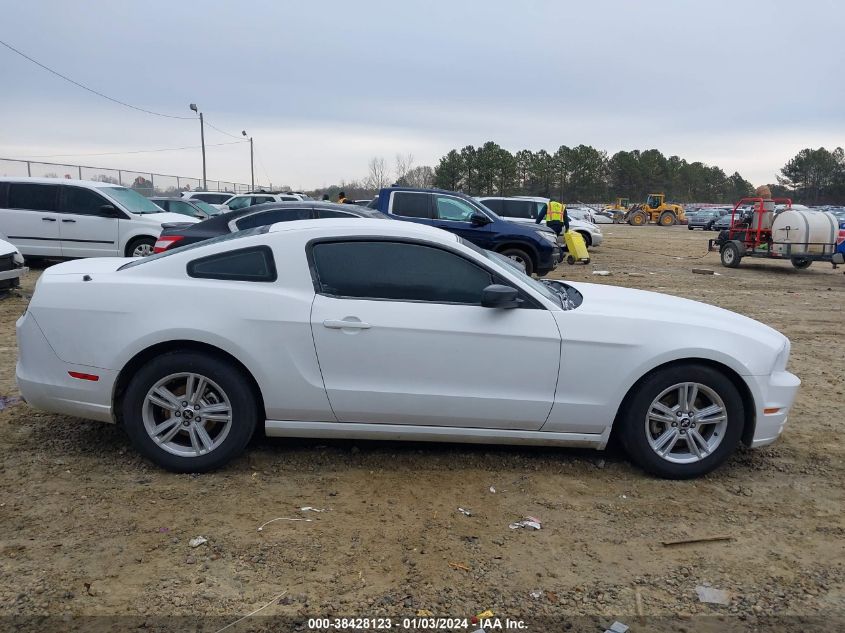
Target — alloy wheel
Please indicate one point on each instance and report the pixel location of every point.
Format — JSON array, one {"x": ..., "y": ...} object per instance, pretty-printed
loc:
[
  {"x": 187, "y": 414},
  {"x": 686, "y": 423}
]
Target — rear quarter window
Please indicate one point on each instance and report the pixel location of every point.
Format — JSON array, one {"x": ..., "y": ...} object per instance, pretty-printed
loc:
[{"x": 254, "y": 263}]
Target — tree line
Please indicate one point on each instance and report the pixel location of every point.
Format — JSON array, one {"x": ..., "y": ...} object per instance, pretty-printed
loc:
[{"x": 585, "y": 174}]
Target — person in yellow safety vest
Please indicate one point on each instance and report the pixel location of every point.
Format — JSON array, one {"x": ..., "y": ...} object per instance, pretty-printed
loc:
[
  {"x": 341, "y": 198},
  {"x": 557, "y": 219}
]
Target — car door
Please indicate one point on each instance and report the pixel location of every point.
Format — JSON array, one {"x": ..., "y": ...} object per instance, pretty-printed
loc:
[
  {"x": 454, "y": 214},
  {"x": 413, "y": 206},
  {"x": 401, "y": 338},
  {"x": 85, "y": 228},
  {"x": 30, "y": 219}
]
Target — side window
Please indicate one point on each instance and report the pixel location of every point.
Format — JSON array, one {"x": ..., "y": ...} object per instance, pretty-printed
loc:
[
  {"x": 271, "y": 217},
  {"x": 453, "y": 209},
  {"x": 541, "y": 206},
  {"x": 494, "y": 205},
  {"x": 245, "y": 264},
  {"x": 240, "y": 202},
  {"x": 82, "y": 201},
  {"x": 262, "y": 199},
  {"x": 164, "y": 204},
  {"x": 398, "y": 272},
  {"x": 520, "y": 209},
  {"x": 4, "y": 195},
  {"x": 177, "y": 206},
  {"x": 329, "y": 213},
  {"x": 411, "y": 205},
  {"x": 33, "y": 197}
]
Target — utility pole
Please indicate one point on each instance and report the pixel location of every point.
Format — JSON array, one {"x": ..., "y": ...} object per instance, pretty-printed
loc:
[
  {"x": 251, "y": 163},
  {"x": 202, "y": 140}
]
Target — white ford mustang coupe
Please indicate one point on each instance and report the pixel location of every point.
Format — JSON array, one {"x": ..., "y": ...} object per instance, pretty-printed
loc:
[{"x": 391, "y": 330}]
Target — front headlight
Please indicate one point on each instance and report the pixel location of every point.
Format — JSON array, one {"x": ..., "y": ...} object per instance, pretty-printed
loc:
[
  {"x": 18, "y": 259},
  {"x": 549, "y": 237},
  {"x": 783, "y": 358}
]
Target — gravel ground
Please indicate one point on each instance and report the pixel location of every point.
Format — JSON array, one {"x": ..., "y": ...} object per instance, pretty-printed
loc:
[{"x": 88, "y": 528}]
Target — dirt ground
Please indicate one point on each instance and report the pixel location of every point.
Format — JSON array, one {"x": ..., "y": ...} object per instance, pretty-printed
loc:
[{"x": 88, "y": 528}]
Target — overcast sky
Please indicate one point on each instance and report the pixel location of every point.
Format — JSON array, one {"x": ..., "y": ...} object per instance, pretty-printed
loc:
[{"x": 326, "y": 85}]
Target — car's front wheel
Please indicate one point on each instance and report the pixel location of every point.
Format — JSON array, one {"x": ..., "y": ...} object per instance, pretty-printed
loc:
[
  {"x": 682, "y": 421},
  {"x": 189, "y": 411}
]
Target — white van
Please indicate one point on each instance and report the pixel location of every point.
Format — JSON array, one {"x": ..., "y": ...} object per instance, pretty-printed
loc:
[{"x": 49, "y": 217}]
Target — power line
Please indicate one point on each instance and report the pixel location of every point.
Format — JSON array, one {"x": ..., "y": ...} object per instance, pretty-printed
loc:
[
  {"x": 91, "y": 90},
  {"x": 139, "y": 151},
  {"x": 221, "y": 131}
]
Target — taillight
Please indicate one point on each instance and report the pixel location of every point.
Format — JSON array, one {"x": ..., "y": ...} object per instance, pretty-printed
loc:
[{"x": 166, "y": 241}]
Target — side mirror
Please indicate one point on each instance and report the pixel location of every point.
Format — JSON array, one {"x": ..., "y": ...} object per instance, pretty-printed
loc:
[
  {"x": 499, "y": 296},
  {"x": 199, "y": 216},
  {"x": 479, "y": 219},
  {"x": 109, "y": 211}
]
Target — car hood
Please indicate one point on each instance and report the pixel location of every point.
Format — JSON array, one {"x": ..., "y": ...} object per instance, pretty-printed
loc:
[
  {"x": 633, "y": 317},
  {"x": 164, "y": 216},
  {"x": 7, "y": 248}
]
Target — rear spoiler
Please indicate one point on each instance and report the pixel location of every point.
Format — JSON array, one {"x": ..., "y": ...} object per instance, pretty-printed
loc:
[{"x": 176, "y": 225}]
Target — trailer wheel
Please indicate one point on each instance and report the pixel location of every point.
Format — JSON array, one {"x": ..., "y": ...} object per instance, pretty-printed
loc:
[
  {"x": 801, "y": 262},
  {"x": 667, "y": 218},
  {"x": 730, "y": 255},
  {"x": 570, "y": 260}
]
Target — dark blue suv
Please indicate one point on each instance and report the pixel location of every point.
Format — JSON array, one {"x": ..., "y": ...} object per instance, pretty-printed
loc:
[{"x": 535, "y": 247}]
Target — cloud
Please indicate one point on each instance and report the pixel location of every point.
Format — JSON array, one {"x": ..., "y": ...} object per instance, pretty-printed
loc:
[{"x": 324, "y": 86}]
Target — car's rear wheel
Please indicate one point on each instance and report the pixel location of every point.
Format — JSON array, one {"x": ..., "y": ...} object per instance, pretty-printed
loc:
[
  {"x": 521, "y": 257},
  {"x": 682, "y": 421},
  {"x": 140, "y": 247},
  {"x": 189, "y": 411}
]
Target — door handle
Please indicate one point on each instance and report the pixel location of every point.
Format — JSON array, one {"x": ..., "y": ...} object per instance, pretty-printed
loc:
[
  {"x": 48, "y": 219},
  {"x": 68, "y": 220},
  {"x": 336, "y": 324}
]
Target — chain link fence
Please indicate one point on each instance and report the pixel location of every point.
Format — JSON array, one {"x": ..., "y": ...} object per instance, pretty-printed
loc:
[{"x": 144, "y": 182}]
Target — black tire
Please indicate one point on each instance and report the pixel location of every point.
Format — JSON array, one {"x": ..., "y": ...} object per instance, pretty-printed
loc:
[
  {"x": 521, "y": 256},
  {"x": 570, "y": 260},
  {"x": 730, "y": 255},
  {"x": 638, "y": 218},
  {"x": 667, "y": 218},
  {"x": 801, "y": 263},
  {"x": 232, "y": 382},
  {"x": 634, "y": 434},
  {"x": 588, "y": 240},
  {"x": 146, "y": 243},
  {"x": 689, "y": 227}
]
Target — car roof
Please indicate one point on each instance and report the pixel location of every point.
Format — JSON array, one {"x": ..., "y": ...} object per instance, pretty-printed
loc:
[
  {"x": 367, "y": 226},
  {"x": 57, "y": 181}
]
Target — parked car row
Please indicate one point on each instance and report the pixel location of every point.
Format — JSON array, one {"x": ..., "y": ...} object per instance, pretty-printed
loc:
[{"x": 527, "y": 209}]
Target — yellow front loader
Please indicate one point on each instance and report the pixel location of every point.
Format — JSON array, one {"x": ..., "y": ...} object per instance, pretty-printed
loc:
[{"x": 655, "y": 209}]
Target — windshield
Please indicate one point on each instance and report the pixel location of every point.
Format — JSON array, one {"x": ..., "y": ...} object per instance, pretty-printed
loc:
[
  {"x": 500, "y": 261},
  {"x": 130, "y": 200},
  {"x": 206, "y": 207}
]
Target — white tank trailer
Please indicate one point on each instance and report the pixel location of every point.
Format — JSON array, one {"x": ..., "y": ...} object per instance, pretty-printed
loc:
[{"x": 797, "y": 232}]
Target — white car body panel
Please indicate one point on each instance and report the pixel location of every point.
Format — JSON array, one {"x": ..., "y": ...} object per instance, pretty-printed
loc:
[{"x": 420, "y": 371}]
